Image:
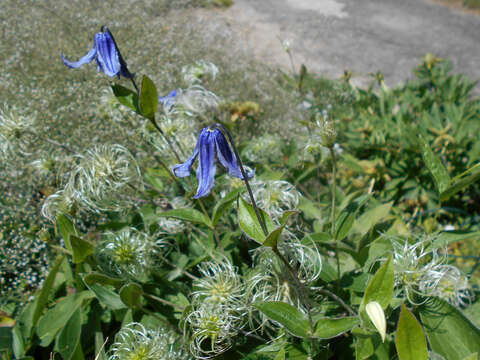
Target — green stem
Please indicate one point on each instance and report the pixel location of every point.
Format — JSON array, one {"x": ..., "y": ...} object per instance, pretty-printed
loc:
[
  {"x": 334, "y": 190},
  {"x": 337, "y": 299},
  {"x": 245, "y": 177},
  {"x": 334, "y": 193},
  {"x": 172, "y": 148},
  {"x": 165, "y": 302}
]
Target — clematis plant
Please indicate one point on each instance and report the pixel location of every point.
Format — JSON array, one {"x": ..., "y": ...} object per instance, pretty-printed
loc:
[
  {"x": 168, "y": 100},
  {"x": 211, "y": 140},
  {"x": 107, "y": 55}
]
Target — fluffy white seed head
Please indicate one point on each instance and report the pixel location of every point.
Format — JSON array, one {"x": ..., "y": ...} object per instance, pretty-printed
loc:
[{"x": 135, "y": 342}]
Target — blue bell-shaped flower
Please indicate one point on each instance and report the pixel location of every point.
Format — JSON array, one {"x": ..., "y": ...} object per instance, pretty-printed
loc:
[
  {"x": 106, "y": 54},
  {"x": 210, "y": 141}
]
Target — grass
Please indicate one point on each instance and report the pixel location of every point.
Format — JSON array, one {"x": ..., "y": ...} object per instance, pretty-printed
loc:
[{"x": 74, "y": 107}]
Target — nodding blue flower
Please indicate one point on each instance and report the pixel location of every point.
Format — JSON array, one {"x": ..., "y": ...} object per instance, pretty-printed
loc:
[
  {"x": 106, "y": 54},
  {"x": 169, "y": 100},
  {"x": 211, "y": 140}
]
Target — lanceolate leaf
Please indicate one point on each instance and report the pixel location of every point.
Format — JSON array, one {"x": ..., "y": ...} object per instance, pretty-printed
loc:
[
  {"x": 380, "y": 287},
  {"x": 287, "y": 315},
  {"x": 69, "y": 338},
  {"x": 249, "y": 223},
  {"x": 327, "y": 328},
  {"x": 46, "y": 288},
  {"x": 224, "y": 204},
  {"x": 434, "y": 164},
  {"x": 66, "y": 229},
  {"x": 410, "y": 339},
  {"x": 107, "y": 297},
  {"x": 131, "y": 294},
  {"x": 187, "y": 214},
  {"x": 56, "y": 317},
  {"x": 81, "y": 249},
  {"x": 346, "y": 218},
  {"x": 148, "y": 98},
  {"x": 459, "y": 185},
  {"x": 126, "y": 97},
  {"x": 449, "y": 332}
]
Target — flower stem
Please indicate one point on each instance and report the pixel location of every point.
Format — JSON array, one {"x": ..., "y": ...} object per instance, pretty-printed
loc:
[
  {"x": 165, "y": 302},
  {"x": 334, "y": 190},
  {"x": 245, "y": 177},
  {"x": 135, "y": 85},
  {"x": 172, "y": 148},
  {"x": 334, "y": 193},
  {"x": 337, "y": 299}
]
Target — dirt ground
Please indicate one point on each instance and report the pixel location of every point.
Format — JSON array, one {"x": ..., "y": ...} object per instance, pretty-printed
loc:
[{"x": 330, "y": 36}]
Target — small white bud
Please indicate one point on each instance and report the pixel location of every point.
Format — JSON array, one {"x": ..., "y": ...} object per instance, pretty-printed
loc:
[{"x": 377, "y": 316}]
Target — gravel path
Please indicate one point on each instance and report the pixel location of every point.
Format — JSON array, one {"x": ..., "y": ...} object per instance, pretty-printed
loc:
[{"x": 364, "y": 36}]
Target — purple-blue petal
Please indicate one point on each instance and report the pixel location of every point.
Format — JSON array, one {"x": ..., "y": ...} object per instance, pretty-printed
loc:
[
  {"x": 84, "y": 60},
  {"x": 107, "y": 54},
  {"x": 183, "y": 170},
  {"x": 206, "y": 168},
  {"x": 169, "y": 99},
  {"x": 227, "y": 157}
]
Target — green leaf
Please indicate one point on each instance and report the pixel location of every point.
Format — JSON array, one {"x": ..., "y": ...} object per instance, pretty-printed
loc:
[
  {"x": 435, "y": 166},
  {"x": 46, "y": 288},
  {"x": 148, "y": 98},
  {"x": 188, "y": 214},
  {"x": 372, "y": 217},
  {"x": 327, "y": 328},
  {"x": 364, "y": 347},
  {"x": 459, "y": 185},
  {"x": 81, "y": 249},
  {"x": 100, "y": 346},
  {"x": 380, "y": 287},
  {"x": 5, "y": 338},
  {"x": 102, "y": 279},
  {"x": 473, "y": 356},
  {"x": 56, "y": 317},
  {"x": 131, "y": 295},
  {"x": 449, "y": 332},
  {"x": 69, "y": 338},
  {"x": 18, "y": 344},
  {"x": 126, "y": 97},
  {"x": 66, "y": 229},
  {"x": 272, "y": 239},
  {"x": 224, "y": 204},
  {"x": 346, "y": 218},
  {"x": 447, "y": 238},
  {"x": 410, "y": 339},
  {"x": 365, "y": 344},
  {"x": 154, "y": 180},
  {"x": 287, "y": 315},
  {"x": 280, "y": 355},
  {"x": 107, "y": 297},
  {"x": 249, "y": 223}
]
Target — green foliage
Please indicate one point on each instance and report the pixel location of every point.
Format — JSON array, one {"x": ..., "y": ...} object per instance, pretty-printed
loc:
[
  {"x": 410, "y": 339},
  {"x": 287, "y": 315},
  {"x": 371, "y": 175},
  {"x": 449, "y": 332}
]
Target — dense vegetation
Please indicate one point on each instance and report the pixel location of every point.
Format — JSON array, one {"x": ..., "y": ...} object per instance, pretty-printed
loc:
[{"x": 355, "y": 236}]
